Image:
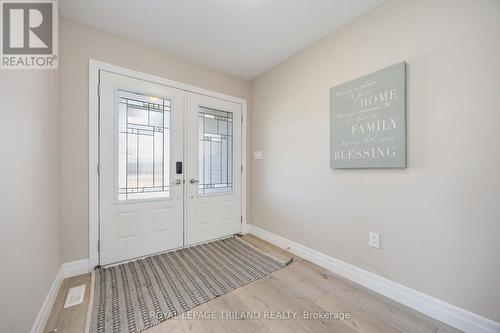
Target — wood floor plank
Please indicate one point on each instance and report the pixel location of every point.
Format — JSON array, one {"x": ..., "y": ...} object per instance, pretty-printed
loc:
[
  {"x": 270, "y": 249},
  {"x": 360, "y": 320},
  {"x": 202, "y": 326},
  {"x": 169, "y": 326},
  {"x": 272, "y": 295},
  {"x": 365, "y": 300},
  {"x": 56, "y": 312},
  {"x": 72, "y": 319},
  {"x": 264, "y": 329},
  {"x": 447, "y": 329},
  {"x": 229, "y": 306},
  {"x": 307, "y": 288},
  {"x": 228, "y": 310},
  {"x": 254, "y": 302},
  {"x": 191, "y": 321}
]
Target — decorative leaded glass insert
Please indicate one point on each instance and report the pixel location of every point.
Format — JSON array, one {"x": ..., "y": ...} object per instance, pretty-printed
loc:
[
  {"x": 216, "y": 151},
  {"x": 144, "y": 147}
]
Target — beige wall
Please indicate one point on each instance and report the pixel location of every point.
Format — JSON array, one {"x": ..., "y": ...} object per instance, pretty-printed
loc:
[
  {"x": 439, "y": 219},
  {"x": 79, "y": 43},
  {"x": 29, "y": 195}
]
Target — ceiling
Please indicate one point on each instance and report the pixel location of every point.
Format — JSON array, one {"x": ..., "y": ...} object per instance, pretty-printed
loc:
[{"x": 240, "y": 37}]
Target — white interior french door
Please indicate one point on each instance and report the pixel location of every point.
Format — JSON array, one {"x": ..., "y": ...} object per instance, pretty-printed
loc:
[
  {"x": 169, "y": 171},
  {"x": 141, "y": 196},
  {"x": 213, "y": 160}
]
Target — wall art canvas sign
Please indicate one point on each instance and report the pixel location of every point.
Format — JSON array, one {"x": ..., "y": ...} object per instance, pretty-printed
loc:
[{"x": 368, "y": 121}]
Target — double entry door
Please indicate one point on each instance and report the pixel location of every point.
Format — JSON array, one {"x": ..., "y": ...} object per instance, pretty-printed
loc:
[{"x": 169, "y": 168}]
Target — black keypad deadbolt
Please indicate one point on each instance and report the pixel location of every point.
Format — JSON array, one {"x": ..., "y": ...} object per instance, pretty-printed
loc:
[{"x": 178, "y": 168}]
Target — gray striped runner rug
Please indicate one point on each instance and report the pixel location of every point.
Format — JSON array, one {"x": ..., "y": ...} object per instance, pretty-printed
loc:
[{"x": 139, "y": 294}]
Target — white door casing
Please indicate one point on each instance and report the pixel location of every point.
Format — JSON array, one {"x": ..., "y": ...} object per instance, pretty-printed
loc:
[
  {"x": 145, "y": 216},
  {"x": 96, "y": 70},
  {"x": 214, "y": 177}
]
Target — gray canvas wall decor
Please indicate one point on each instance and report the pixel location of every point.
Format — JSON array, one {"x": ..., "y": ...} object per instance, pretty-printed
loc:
[{"x": 368, "y": 121}]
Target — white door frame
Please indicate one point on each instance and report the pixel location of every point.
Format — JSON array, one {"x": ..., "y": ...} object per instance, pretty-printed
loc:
[{"x": 94, "y": 68}]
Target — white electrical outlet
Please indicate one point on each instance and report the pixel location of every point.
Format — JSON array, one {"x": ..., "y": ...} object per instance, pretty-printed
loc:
[
  {"x": 257, "y": 155},
  {"x": 374, "y": 240}
]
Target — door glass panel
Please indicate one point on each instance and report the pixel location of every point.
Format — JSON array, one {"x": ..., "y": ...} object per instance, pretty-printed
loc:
[
  {"x": 144, "y": 147},
  {"x": 215, "y": 151}
]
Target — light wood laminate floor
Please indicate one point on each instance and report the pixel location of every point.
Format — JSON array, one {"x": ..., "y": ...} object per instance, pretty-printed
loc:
[{"x": 301, "y": 286}]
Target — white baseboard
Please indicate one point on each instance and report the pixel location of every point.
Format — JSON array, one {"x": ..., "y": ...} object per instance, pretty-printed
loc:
[
  {"x": 74, "y": 268},
  {"x": 67, "y": 270},
  {"x": 452, "y": 315},
  {"x": 43, "y": 315}
]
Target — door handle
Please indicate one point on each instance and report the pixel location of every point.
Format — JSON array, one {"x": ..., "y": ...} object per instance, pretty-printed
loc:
[
  {"x": 193, "y": 181},
  {"x": 178, "y": 182}
]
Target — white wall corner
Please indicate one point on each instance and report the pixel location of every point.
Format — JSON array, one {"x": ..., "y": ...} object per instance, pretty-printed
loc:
[
  {"x": 452, "y": 315},
  {"x": 44, "y": 313}
]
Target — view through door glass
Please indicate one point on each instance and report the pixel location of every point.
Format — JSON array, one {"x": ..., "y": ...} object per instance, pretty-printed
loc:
[
  {"x": 144, "y": 147},
  {"x": 216, "y": 151}
]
